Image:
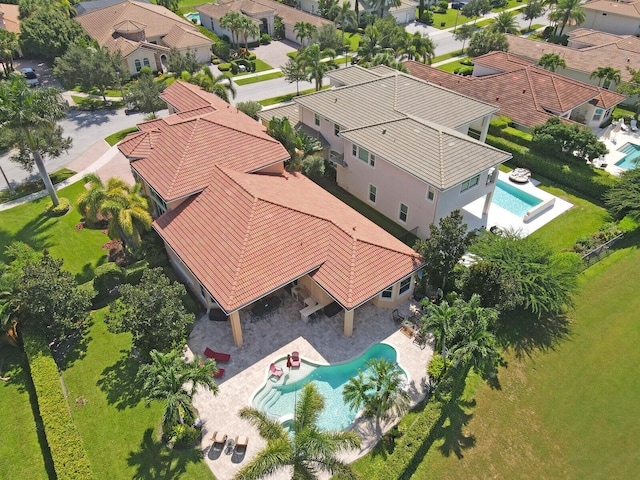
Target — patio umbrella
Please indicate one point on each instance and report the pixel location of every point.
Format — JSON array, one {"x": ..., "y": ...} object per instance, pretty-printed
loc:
[{"x": 607, "y": 132}]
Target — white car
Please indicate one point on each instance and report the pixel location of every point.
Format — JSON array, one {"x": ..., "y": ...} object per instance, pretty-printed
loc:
[{"x": 30, "y": 76}]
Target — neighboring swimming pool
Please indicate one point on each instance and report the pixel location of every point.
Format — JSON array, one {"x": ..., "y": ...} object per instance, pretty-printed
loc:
[
  {"x": 629, "y": 162},
  {"x": 513, "y": 199},
  {"x": 278, "y": 400},
  {"x": 193, "y": 16}
]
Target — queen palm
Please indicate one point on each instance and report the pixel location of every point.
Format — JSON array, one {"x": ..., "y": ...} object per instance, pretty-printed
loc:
[
  {"x": 551, "y": 61},
  {"x": 607, "y": 74},
  {"x": 220, "y": 85},
  {"x": 567, "y": 12},
  {"x": 8, "y": 47},
  {"x": 165, "y": 378},
  {"x": 28, "y": 119},
  {"x": 128, "y": 214},
  {"x": 316, "y": 68},
  {"x": 369, "y": 45},
  {"x": 417, "y": 45},
  {"x": 463, "y": 33},
  {"x": 307, "y": 451},
  {"x": 476, "y": 346},
  {"x": 382, "y": 6},
  {"x": 232, "y": 21},
  {"x": 442, "y": 322},
  {"x": 505, "y": 22},
  {"x": 345, "y": 17},
  {"x": 304, "y": 31},
  {"x": 90, "y": 203},
  {"x": 248, "y": 29},
  {"x": 532, "y": 10}
]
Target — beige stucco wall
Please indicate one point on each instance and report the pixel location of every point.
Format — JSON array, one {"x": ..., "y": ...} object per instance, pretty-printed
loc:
[
  {"x": 610, "y": 23},
  {"x": 141, "y": 54},
  {"x": 203, "y": 53},
  {"x": 326, "y": 127},
  {"x": 396, "y": 299},
  {"x": 315, "y": 290}
]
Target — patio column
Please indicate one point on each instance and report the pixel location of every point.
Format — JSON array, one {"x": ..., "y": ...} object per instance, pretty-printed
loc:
[
  {"x": 236, "y": 329},
  {"x": 487, "y": 202},
  {"x": 348, "y": 322}
]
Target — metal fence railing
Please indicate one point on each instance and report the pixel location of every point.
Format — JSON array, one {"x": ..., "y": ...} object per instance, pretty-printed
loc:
[{"x": 597, "y": 253}]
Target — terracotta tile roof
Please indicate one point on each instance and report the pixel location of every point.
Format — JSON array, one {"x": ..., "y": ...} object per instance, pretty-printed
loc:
[
  {"x": 10, "y": 17},
  {"x": 175, "y": 154},
  {"x": 180, "y": 37},
  {"x": 127, "y": 47},
  {"x": 289, "y": 15},
  {"x": 185, "y": 96},
  {"x": 246, "y": 235},
  {"x": 620, "y": 52},
  {"x": 525, "y": 93},
  {"x": 624, "y": 8},
  {"x": 158, "y": 21}
]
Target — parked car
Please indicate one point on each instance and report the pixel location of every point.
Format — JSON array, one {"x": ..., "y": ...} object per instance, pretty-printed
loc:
[
  {"x": 457, "y": 5},
  {"x": 30, "y": 76}
]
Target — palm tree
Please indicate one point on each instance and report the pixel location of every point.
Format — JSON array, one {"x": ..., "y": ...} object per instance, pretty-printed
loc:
[
  {"x": 165, "y": 378},
  {"x": 532, "y": 10},
  {"x": 128, "y": 214},
  {"x": 379, "y": 390},
  {"x": 304, "y": 31},
  {"x": 369, "y": 44},
  {"x": 608, "y": 74},
  {"x": 551, "y": 61},
  {"x": 248, "y": 29},
  {"x": 345, "y": 17},
  {"x": 29, "y": 118},
  {"x": 441, "y": 320},
  {"x": 8, "y": 47},
  {"x": 232, "y": 21},
  {"x": 316, "y": 68},
  {"x": 505, "y": 23},
  {"x": 464, "y": 33},
  {"x": 308, "y": 451},
  {"x": 381, "y": 6},
  {"x": 417, "y": 45},
  {"x": 90, "y": 203},
  {"x": 567, "y": 12},
  {"x": 220, "y": 85}
]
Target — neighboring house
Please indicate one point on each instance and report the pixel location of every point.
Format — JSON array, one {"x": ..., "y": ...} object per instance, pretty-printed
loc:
[
  {"x": 263, "y": 14},
  {"x": 91, "y": 5},
  {"x": 620, "y": 17},
  {"x": 400, "y": 144},
  {"x": 9, "y": 17},
  {"x": 144, "y": 33},
  {"x": 237, "y": 227},
  {"x": 527, "y": 94},
  {"x": 404, "y": 13},
  {"x": 587, "y": 50}
]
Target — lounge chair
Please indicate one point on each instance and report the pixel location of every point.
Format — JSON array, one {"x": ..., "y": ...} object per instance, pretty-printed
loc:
[
  {"x": 634, "y": 125},
  {"x": 219, "y": 373},
  {"x": 218, "y": 439},
  {"x": 217, "y": 356},
  {"x": 275, "y": 371},
  {"x": 397, "y": 318},
  {"x": 295, "y": 360},
  {"x": 241, "y": 444},
  {"x": 623, "y": 126}
]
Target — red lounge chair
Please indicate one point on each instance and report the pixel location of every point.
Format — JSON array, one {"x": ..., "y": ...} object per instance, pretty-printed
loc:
[
  {"x": 275, "y": 371},
  {"x": 220, "y": 373},
  {"x": 217, "y": 356},
  {"x": 295, "y": 360}
]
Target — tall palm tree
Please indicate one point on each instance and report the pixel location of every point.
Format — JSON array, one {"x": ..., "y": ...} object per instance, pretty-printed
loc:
[
  {"x": 380, "y": 390},
  {"x": 505, "y": 22},
  {"x": 567, "y": 12},
  {"x": 416, "y": 45},
  {"x": 8, "y": 47},
  {"x": 29, "y": 116},
  {"x": 220, "y": 85},
  {"x": 308, "y": 451},
  {"x": 369, "y": 44},
  {"x": 165, "y": 378},
  {"x": 441, "y": 321},
  {"x": 128, "y": 213},
  {"x": 607, "y": 74},
  {"x": 312, "y": 59},
  {"x": 551, "y": 61},
  {"x": 345, "y": 17},
  {"x": 463, "y": 33},
  {"x": 90, "y": 202},
  {"x": 382, "y": 6},
  {"x": 304, "y": 31},
  {"x": 248, "y": 29},
  {"x": 232, "y": 21}
]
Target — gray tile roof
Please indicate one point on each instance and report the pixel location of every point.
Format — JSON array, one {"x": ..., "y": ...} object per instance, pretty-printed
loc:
[
  {"x": 353, "y": 75},
  {"x": 290, "y": 110}
]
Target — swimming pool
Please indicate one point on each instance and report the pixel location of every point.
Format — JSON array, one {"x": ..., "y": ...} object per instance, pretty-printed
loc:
[
  {"x": 278, "y": 400},
  {"x": 193, "y": 16},
  {"x": 513, "y": 199},
  {"x": 629, "y": 162}
]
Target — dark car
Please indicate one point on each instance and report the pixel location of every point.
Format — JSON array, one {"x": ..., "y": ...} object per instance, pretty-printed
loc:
[
  {"x": 457, "y": 5},
  {"x": 30, "y": 76}
]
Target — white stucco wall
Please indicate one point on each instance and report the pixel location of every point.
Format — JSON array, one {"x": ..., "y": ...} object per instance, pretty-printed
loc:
[{"x": 610, "y": 23}]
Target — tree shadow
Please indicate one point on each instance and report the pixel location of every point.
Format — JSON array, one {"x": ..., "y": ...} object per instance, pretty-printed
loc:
[
  {"x": 119, "y": 382},
  {"x": 88, "y": 119},
  {"x": 454, "y": 440},
  {"x": 85, "y": 274},
  {"x": 153, "y": 461},
  {"x": 525, "y": 333},
  {"x": 32, "y": 233},
  {"x": 72, "y": 348}
]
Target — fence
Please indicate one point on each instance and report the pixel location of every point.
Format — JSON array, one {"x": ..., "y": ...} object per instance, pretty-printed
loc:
[{"x": 596, "y": 254}]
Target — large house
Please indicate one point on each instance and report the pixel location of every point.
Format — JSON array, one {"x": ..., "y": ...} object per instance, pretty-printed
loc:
[
  {"x": 144, "y": 33},
  {"x": 404, "y": 12},
  {"x": 262, "y": 12},
  {"x": 237, "y": 227},
  {"x": 400, "y": 144},
  {"x": 586, "y": 51},
  {"x": 527, "y": 94},
  {"x": 618, "y": 17}
]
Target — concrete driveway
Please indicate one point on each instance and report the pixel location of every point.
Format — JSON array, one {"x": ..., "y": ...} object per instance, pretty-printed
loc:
[
  {"x": 275, "y": 54},
  {"x": 42, "y": 69}
]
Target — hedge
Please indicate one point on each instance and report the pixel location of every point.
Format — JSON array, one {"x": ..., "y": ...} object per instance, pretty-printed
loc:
[
  {"x": 512, "y": 134},
  {"x": 67, "y": 451},
  {"x": 578, "y": 176},
  {"x": 107, "y": 277}
]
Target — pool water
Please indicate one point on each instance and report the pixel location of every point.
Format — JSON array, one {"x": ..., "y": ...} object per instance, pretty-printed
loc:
[
  {"x": 513, "y": 199},
  {"x": 630, "y": 161},
  {"x": 193, "y": 16},
  {"x": 278, "y": 400}
]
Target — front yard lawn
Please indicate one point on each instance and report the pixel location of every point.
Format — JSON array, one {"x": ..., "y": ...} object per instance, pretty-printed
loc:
[
  {"x": 253, "y": 78},
  {"x": 33, "y": 186}
]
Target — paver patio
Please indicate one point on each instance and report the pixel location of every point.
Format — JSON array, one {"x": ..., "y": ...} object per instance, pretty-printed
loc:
[{"x": 268, "y": 341}]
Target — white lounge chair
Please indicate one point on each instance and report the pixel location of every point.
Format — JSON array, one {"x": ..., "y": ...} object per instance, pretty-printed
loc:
[
  {"x": 634, "y": 125},
  {"x": 623, "y": 126}
]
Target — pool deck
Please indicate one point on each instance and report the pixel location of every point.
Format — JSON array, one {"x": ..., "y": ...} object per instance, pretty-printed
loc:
[
  {"x": 270, "y": 341},
  {"x": 617, "y": 140},
  {"x": 506, "y": 220}
]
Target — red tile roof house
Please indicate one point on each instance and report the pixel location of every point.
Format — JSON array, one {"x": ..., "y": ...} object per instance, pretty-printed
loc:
[
  {"x": 526, "y": 93},
  {"x": 238, "y": 227},
  {"x": 400, "y": 144}
]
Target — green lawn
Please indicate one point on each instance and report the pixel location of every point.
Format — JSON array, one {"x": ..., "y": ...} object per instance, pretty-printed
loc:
[
  {"x": 257, "y": 78},
  {"x": 286, "y": 98},
  {"x": 30, "y": 187},
  {"x": 571, "y": 411},
  {"x": 353, "y": 39},
  {"x": 260, "y": 67},
  {"x": 452, "y": 66},
  {"x": 116, "y": 137}
]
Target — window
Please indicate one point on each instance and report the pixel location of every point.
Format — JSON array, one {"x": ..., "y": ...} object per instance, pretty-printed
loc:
[
  {"x": 404, "y": 285},
  {"x": 336, "y": 129},
  {"x": 467, "y": 184},
  {"x": 161, "y": 205},
  {"x": 598, "y": 114},
  {"x": 373, "y": 191},
  {"x": 316, "y": 120},
  {"x": 431, "y": 194},
  {"x": 138, "y": 65},
  {"x": 354, "y": 150},
  {"x": 388, "y": 293},
  {"x": 404, "y": 211},
  {"x": 363, "y": 155},
  {"x": 146, "y": 63},
  {"x": 372, "y": 160}
]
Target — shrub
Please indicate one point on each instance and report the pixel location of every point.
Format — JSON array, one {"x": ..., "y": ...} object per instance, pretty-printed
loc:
[
  {"x": 134, "y": 272},
  {"x": 250, "y": 107},
  {"x": 184, "y": 435},
  {"x": 251, "y": 56},
  {"x": 216, "y": 61},
  {"x": 265, "y": 39},
  {"x": 464, "y": 71},
  {"x": 221, "y": 50},
  {"x": 209, "y": 34},
  {"x": 234, "y": 68},
  {"x": 224, "y": 67},
  {"x": 427, "y": 17},
  {"x": 500, "y": 122},
  {"x": 61, "y": 209},
  {"x": 513, "y": 135},
  {"x": 69, "y": 457},
  {"x": 467, "y": 61},
  {"x": 107, "y": 277},
  {"x": 435, "y": 369}
]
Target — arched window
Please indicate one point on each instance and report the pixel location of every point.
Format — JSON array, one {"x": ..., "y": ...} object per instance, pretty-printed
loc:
[
  {"x": 146, "y": 62},
  {"x": 138, "y": 65}
]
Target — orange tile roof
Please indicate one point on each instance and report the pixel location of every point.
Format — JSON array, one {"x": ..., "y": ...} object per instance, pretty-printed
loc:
[
  {"x": 525, "y": 93},
  {"x": 10, "y": 17},
  {"x": 186, "y": 96},
  {"x": 247, "y": 235}
]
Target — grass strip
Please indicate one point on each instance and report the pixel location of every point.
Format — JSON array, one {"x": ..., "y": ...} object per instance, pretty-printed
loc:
[
  {"x": 27, "y": 188},
  {"x": 116, "y": 137},
  {"x": 257, "y": 78}
]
